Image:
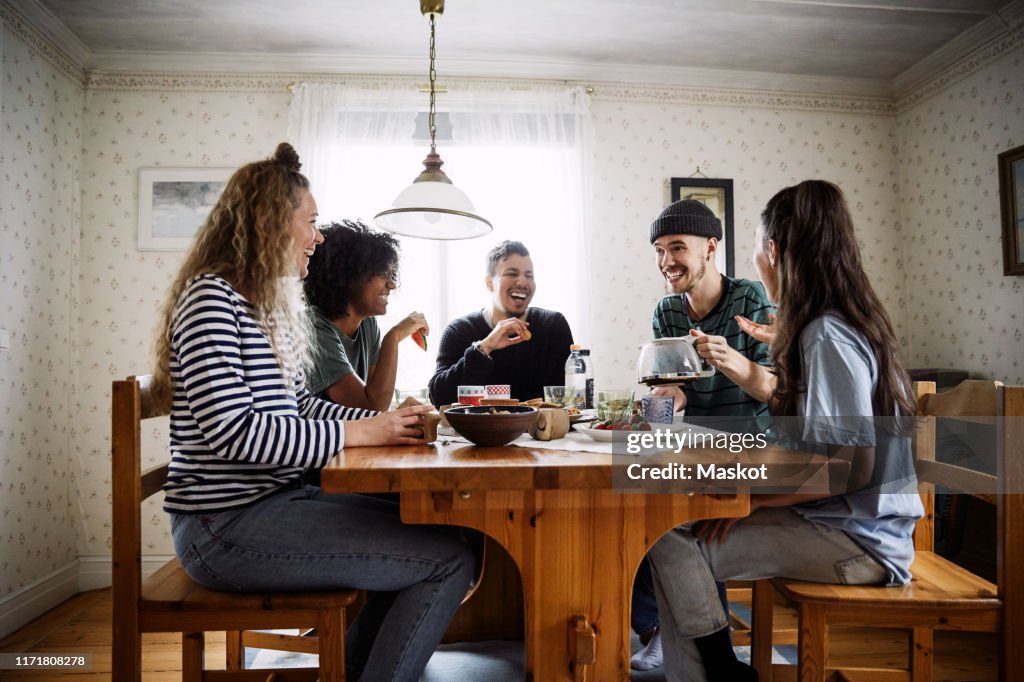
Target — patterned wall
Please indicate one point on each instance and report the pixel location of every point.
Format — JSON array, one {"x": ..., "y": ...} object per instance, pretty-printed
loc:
[
  {"x": 963, "y": 311},
  {"x": 640, "y": 146},
  {"x": 122, "y": 288},
  {"x": 40, "y": 145}
]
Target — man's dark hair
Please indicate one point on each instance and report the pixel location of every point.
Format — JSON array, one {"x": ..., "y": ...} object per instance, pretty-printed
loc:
[
  {"x": 351, "y": 254},
  {"x": 502, "y": 251}
]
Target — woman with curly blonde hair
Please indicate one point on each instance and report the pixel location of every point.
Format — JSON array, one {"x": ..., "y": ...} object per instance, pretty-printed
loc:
[{"x": 244, "y": 429}]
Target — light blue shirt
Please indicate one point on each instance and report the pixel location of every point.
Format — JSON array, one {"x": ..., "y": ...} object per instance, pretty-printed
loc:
[{"x": 841, "y": 372}]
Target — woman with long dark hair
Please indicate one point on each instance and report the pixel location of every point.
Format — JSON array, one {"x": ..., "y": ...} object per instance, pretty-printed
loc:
[
  {"x": 244, "y": 429},
  {"x": 840, "y": 382}
]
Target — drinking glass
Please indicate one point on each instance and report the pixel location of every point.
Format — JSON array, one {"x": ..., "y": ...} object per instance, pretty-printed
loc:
[
  {"x": 401, "y": 394},
  {"x": 559, "y": 395},
  {"x": 615, "y": 406}
]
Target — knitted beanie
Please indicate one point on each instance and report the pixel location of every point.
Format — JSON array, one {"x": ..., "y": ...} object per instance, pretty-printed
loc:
[{"x": 687, "y": 216}]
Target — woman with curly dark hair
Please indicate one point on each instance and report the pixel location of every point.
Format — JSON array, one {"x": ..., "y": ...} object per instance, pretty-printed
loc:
[
  {"x": 351, "y": 276},
  {"x": 835, "y": 358}
]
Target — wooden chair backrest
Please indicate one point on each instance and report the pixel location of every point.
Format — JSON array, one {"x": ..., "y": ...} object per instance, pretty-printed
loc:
[
  {"x": 1010, "y": 521},
  {"x": 131, "y": 403},
  {"x": 971, "y": 400}
]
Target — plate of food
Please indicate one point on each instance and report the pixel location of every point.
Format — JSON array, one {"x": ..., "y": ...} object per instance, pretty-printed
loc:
[
  {"x": 604, "y": 431},
  {"x": 600, "y": 435},
  {"x": 575, "y": 414}
]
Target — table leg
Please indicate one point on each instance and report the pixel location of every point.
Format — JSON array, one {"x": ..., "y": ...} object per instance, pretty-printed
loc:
[{"x": 577, "y": 552}]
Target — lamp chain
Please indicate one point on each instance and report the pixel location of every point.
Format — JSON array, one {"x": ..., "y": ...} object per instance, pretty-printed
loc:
[{"x": 433, "y": 77}]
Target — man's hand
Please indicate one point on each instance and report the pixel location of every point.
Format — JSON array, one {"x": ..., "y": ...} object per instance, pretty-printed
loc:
[
  {"x": 677, "y": 395},
  {"x": 755, "y": 380},
  {"x": 508, "y": 332},
  {"x": 719, "y": 354}
]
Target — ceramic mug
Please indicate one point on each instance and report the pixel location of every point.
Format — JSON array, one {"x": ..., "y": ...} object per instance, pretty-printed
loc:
[
  {"x": 431, "y": 420},
  {"x": 471, "y": 395},
  {"x": 658, "y": 409},
  {"x": 444, "y": 421},
  {"x": 552, "y": 423},
  {"x": 500, "y": 391}
]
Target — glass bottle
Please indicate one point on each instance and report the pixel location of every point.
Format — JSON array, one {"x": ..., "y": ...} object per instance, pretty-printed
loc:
[{"x": 579, "y": 376}]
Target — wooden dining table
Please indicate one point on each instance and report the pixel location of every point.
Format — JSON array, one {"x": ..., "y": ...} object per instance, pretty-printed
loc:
[{"x": 576, "y": 536}]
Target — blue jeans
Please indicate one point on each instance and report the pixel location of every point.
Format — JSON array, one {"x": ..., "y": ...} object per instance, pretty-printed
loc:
[
  {"x": 770, "y": 542},
  {"x": 300, "y": 538},
  {"x": 643, "y": 616}
]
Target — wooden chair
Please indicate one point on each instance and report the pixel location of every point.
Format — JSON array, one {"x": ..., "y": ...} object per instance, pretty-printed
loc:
[
  {"x": 169, "y": 601},
  {"x": 941, "y": 595}
]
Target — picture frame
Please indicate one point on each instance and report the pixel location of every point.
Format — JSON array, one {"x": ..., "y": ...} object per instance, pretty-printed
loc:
[
  {"x": 174, "y": 203},
  {"x": 716, "y": 194},
  {"x": 1011, "y": 203}
]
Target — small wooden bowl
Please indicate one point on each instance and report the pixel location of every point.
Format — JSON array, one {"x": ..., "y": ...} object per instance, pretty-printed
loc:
[{"x": 490, "y": 426}]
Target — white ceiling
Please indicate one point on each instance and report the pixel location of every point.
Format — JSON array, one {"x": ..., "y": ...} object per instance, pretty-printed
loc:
[{"x": 870, "y": 43}]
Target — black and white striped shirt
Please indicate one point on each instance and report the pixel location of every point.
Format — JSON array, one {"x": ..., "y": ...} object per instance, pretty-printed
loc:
[{"x": 240, "y": 428}]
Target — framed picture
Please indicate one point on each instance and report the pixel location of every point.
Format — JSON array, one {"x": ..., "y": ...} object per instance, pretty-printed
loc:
[
  {"x": 174, "y": 203},
  {"x": 1011, "y": 199},
  {"x": 716, "y": 194}
]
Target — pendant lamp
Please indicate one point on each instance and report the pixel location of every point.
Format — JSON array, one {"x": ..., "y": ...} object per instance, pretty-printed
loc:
[{"x": 432, "y": 207}]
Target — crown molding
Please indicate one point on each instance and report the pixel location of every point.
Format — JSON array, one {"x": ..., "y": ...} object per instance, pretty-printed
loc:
[
  {"x": 987, "y": 32},
  {"x": 1005, "y": 42},
  {"x": 38, "y": 27},
  {"x": 761, "y": 99},
  {"x": 190, "y": 82},
  {"x": 187, "y": 63},
  {"x": 609, "y": 92}
]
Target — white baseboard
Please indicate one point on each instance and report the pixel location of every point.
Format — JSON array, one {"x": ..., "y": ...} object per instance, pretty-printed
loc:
[
  {"x": 38, "y": 597},
  {"x": 94, "y": 571}
]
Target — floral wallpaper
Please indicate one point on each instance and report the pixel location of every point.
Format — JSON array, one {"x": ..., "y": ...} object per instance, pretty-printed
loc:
[
  {"x": 123, "y": 288},
  {"x": 81, "y": 302},
  {"x": 40, "y": 154},
  {"x": 962, "y": 311}
]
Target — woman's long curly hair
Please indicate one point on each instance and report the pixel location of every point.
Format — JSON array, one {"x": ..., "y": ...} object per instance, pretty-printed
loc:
[
  {"x": 246, "y": 239},
  {"x": 350, "y": 255},
  {"x": 820, "y": 269}
]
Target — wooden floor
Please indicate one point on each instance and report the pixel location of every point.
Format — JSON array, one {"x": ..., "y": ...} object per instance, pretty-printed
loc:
[{"x": 82, "y": 625}]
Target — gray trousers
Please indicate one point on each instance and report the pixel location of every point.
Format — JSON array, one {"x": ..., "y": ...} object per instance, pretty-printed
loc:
[{"x": 771, "y": 542}]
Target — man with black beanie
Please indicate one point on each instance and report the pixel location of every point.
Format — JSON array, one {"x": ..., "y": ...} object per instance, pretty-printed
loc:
[
  {"x": 702, "y": 302},
  {"x": 705, "y": 303}
]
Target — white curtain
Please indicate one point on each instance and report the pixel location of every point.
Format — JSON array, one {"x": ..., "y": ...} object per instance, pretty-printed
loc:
[{"x": 523, "y": 154}]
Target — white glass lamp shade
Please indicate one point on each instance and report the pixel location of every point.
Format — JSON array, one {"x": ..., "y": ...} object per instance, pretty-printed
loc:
[{"x": 432, "y": 209}]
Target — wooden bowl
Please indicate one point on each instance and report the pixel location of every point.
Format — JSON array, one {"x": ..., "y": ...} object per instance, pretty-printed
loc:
[{"x": 491, "y": 426}]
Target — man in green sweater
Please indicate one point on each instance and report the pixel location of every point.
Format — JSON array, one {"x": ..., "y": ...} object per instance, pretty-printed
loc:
[{"x": 705, "y": 303}]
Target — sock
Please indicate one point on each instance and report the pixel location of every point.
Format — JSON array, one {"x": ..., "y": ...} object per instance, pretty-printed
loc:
[
  {"x": 720, "y": 661},
  {"x": 650, "y": 656}
]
